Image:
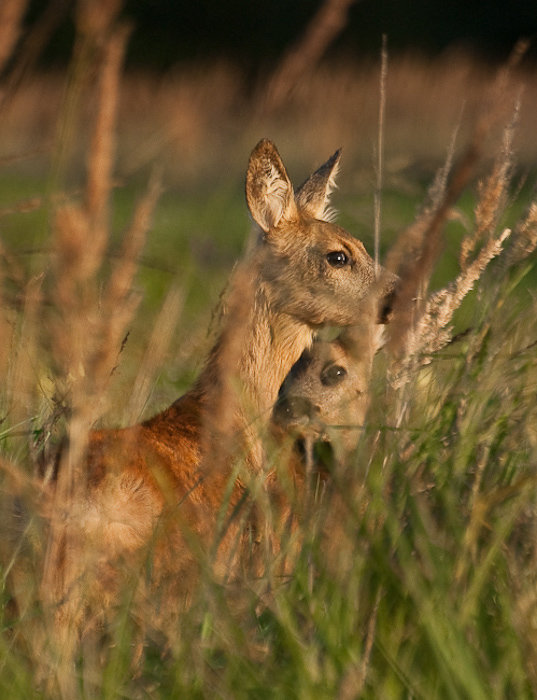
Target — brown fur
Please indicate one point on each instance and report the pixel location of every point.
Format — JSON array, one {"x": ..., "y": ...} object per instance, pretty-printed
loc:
[{"x": 157, "y": 490}]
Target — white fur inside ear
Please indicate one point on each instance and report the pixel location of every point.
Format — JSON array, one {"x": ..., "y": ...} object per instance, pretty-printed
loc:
[
  {"x": 331, "y": 184},
  {"x": 313, "y": 196},
  {"x": 269, "y": 191},
  {"x": 328, "y": 213},
  {"x": 275, "y": 198}
]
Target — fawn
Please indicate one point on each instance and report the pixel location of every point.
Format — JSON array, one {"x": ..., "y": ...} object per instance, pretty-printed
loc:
[
  {"x": 317, "y": 423},
  {"x": 325, "y": 396},
  {"x": 170, "y": 487}
]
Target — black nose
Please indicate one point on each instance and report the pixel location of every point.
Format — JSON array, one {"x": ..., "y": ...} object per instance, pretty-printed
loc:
[{"x": 291, "y": 409}]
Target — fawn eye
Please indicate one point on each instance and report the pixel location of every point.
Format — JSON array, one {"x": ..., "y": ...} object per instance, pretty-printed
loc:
[
  {"x": 338, "y": 258},
  {"x": 332, "y": 375}
]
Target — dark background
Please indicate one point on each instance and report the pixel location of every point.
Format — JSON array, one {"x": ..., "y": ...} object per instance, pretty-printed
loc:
[{"x": 254, "y": 33}]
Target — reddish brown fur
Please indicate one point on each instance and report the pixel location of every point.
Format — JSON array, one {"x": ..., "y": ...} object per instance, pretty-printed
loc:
[{"x": 156, "y": 489}]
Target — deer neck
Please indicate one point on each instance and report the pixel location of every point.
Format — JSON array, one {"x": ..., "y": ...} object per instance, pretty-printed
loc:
[
  {"x": 255, "y": 349},
  {"x": 274, "y": 343}
]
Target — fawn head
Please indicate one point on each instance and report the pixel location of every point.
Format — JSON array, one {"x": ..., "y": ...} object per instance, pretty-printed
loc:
[
  {"x": 327, "y": 389},
  {"x": 315, "y": 271}
]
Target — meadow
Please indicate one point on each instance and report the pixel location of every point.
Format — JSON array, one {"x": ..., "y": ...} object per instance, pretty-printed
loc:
[{"x": 121, "y": 215}]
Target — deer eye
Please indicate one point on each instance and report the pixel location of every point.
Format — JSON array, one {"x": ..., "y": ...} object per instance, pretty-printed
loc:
[
  {"x": 338, "y": 258},
  {"x": 332, "y": 375}
]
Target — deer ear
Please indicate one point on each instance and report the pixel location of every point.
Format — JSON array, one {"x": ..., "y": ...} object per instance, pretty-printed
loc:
[
  {"x": 269, "y": 192},
  {"x": 312, "y": 197}
]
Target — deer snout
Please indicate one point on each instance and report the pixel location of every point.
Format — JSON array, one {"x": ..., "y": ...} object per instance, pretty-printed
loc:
[{"x": 295, "y": 410}]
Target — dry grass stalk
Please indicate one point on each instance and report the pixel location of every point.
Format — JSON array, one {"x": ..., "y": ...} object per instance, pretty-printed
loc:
[
  {"x": 125, "y": 268},
  {"x": 99, "y": 47},
  {"x": 101, "y": 155},
  {"x": 493, "y": 195},
  {"x": 21, "y": 386},
  {"x": 11, "y": 16},
  {"x": 407, "y": 247},
  {"x": 6, "y": 327},
  {"x": 405, "y": 253},
  {"x": 380, "y": 146},
  {"x": 355, "y": 677},
  {"x": 304, "y": 56},
  {"x": 415, "y": 274},
  {"x": 95, "y": 18},
  {"x": 433, "y": 331},
  {"x": 23, "y": 207},
  {"x": 119, "y": 301},
  {"x": 524, "y": 240},
  {"x": 31, "y": 46},
  {"x": 430, "y": 330},
  {"x": 156, "y": 349},
  {"x": 14, "y": 293},
  {"x": 85, "y": 335},
  {"x": 85, "y": 338}
]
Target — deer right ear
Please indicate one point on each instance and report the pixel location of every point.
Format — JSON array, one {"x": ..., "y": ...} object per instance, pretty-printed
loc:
[
  {"x": 312, "y": 197},
  {"x": 269, "y": 192}
]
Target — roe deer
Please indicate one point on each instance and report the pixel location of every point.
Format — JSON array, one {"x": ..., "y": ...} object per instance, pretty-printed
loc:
[{"x": 158, "y": 489}]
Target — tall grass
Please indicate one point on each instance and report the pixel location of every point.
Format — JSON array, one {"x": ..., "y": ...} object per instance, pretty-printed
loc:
[{"x": 413, "y": 574}]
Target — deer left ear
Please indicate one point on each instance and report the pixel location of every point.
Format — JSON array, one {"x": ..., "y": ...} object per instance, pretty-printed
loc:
[
  {"x": 269, "y": 191},
  {"x": 312, "y": 197}
]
